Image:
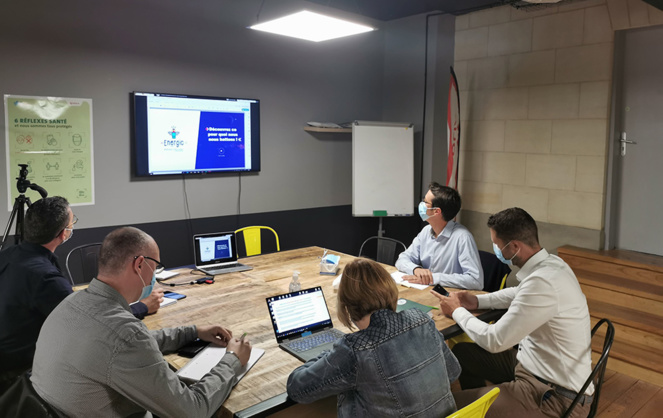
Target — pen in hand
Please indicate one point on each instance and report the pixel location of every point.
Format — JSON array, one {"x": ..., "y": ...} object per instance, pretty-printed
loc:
[{"x": 241, "y": 339}]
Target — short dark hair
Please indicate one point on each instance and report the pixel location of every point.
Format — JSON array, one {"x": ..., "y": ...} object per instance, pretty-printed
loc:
[
  {"x": 45, "y": 219},
  {"x": 515, "y": 224},
  {"x": 447, "y": 199},
  {"x": 366, "y": 287},
  {"x": 119, "y": 246}
]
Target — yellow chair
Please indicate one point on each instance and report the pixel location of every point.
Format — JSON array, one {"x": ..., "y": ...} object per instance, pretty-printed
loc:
[
  {"x": 478, "y": 408},
  {"x": 252, "y": 239}
]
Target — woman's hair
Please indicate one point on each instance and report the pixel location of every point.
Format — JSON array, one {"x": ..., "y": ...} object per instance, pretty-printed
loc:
[{"x": 365, "y": 288}]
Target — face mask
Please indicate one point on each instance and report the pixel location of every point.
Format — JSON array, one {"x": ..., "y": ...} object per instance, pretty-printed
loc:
[
  {"x": 422, "y": 211},
  {"x": 147, "y": 289},
  {"x": 499, "y": 255},
  {"x": 71, "y": 234}
]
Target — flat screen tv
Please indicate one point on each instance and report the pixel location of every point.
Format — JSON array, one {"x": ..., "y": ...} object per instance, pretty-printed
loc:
[{"x": 177, "y": 134}]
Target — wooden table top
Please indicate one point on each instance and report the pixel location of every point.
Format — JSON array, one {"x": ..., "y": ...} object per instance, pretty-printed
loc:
[{"x": 237, "y": 302}]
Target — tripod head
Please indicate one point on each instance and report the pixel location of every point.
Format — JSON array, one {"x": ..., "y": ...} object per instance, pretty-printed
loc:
[{"x": 22, "y": 182}]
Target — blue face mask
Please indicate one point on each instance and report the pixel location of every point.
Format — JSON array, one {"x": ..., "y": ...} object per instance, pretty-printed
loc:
[
  {"x": 147, "y": 289},
  {"x": 499, "y": 255},
  {"x": 422, "y": 211}
]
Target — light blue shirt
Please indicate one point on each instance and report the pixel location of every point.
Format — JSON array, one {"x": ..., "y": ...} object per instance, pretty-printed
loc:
[{"x": 452, "y": 257}]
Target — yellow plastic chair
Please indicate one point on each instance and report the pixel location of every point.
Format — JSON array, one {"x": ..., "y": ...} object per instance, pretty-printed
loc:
[
  {"x": 252, "y": 243},
  {"x": 478, "y": 408}
]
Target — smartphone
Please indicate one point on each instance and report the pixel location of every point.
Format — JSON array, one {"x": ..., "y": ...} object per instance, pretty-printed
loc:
[
  {"x": 190, "y": 350},
  {"x": 173, "y": 295},
  {"x": 439, "y": 289}
]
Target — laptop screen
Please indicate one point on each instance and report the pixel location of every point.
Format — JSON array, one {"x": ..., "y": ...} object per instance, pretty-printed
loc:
[
  {"x": 214, "y": 249},
  {"x": 298, "y": 312}
]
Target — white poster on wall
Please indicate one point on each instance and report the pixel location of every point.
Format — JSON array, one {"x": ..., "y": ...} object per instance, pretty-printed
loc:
[{"x": 49, "y": 144}]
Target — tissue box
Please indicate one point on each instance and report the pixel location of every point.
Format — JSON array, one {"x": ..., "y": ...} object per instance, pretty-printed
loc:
[{"x": 329, "y": 264}]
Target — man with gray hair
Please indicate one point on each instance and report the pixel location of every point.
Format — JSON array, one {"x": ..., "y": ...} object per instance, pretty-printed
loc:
[{"x": 94, "y": 358}]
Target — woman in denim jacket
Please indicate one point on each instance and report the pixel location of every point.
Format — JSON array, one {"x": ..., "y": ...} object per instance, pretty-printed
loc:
[{"x": 397, "y": 364}]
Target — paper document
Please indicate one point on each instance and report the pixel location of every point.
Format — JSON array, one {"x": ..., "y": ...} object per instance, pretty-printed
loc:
[
  {"x": 167, "y": 301},
  {"x": 204, "y": 361},
  {"x": 166, "y": 274},
  {"x": 398, "y": 278}
]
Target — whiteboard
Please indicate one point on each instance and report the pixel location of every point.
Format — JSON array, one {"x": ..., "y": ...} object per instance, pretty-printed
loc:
[{"x": 382, "y": 169}]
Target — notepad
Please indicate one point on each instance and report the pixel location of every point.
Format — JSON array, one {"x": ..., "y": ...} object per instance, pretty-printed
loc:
[
  {"x": 167, "y": 301},
  {"x": 204, "y": 361},
  {"x": 398, "y": 278}
]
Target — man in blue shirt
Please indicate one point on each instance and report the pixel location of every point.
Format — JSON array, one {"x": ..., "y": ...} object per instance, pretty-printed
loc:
[{"x": 444, "y": 252}]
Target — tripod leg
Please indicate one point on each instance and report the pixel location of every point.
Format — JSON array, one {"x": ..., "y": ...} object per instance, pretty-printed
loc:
[{"x": 11, "y": 220}]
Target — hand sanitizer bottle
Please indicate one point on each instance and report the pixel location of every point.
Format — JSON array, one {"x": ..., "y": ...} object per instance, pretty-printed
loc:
[{"x": 295, "y": 286}]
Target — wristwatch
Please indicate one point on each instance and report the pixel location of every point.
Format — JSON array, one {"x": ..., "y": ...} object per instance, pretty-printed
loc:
[{"x": 233, "y": 353}]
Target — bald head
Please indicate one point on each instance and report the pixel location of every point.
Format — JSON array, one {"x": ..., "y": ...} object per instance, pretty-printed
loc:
[{"x": 121, "y": 246}]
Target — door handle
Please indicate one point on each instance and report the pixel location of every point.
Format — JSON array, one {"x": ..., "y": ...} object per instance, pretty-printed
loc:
[{"x": 623, "y": 141}]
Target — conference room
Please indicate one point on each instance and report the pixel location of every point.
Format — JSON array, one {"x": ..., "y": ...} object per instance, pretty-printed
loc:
[{"x": 542, "y": 99}]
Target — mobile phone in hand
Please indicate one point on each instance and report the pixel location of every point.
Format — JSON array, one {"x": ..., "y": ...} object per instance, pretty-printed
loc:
[{"x": 439, "y": 289}]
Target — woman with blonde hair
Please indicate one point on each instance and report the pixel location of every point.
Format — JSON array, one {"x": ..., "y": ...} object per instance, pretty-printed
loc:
[{"x": 396, "y": 364}]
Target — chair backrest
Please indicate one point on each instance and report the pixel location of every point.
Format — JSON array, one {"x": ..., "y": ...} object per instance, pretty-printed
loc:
[
  {"x": 478, "y": 408},
  {"x": 387, "y": 250},
  {"x": 252, "y": 241},
  {"x": 598, "y": 371},
  {"x": 21, "y": 400},
  {"x": 82, "y": 263},
  {"x": 494, "y": 272}
]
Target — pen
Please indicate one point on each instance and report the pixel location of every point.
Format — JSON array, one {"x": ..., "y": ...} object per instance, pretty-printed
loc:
[{"x": 241, "y": 339}]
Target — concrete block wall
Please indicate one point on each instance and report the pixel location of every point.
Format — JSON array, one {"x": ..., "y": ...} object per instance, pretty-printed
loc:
[{"x": 535, "y": 99}]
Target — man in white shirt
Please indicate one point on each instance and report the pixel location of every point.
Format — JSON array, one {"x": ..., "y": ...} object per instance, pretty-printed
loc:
[
  {"x": 444, "y": 252},
  {"x": 547, "y": 316}
]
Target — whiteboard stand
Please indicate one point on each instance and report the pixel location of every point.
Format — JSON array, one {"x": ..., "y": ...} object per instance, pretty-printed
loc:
[{"x": 382, "y": 170}]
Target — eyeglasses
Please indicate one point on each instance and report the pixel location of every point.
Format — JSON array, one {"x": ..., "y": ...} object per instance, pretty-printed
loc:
[
  {"x": 73, "y": 222},
  {"x": 159, "y": 268}
]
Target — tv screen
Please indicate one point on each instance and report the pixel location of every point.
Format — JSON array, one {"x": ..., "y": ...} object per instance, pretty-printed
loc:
[{"x": 177, "y": 134}]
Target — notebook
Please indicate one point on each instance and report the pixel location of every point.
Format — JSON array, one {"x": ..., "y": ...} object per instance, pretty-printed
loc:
[
  {"x": 217, "y": 253},
  {"x": 209, "y": 357},
  {"x": 302, "y": 324}
]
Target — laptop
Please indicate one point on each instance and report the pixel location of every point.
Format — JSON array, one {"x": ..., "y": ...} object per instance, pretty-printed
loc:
[
  {"x": 217, "y": 253},
  {"x": 302, "y": 324}
]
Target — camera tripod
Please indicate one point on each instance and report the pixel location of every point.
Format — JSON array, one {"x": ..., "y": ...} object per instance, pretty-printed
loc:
[{"x": 18, "y": 212}]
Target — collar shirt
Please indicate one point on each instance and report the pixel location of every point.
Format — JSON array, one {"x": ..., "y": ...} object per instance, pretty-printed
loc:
[
  {"x": 31, "y": 286},
  {"x": 94, "y": 358},
  {"x": 452, "y": 257},
  {"x": 547, "y": 315}
]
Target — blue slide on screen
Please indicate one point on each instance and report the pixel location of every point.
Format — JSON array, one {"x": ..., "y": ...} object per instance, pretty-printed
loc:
[
  {"x": 221, "y": 141},
  {"x": 222, "y": 249}
]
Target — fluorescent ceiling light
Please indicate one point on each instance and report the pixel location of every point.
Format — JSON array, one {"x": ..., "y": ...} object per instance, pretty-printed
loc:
[{"x": 311, "y": 26}]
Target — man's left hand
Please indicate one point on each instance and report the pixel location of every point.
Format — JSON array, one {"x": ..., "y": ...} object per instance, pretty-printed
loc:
[
  {"x": 215, "y": 334},
  {"x": 448, "y": 304},
  {"x": 420, "y": 276}
]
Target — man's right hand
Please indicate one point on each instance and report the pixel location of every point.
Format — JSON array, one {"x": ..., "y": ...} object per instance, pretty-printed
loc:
[
  {"x": 421, "y": 276},
  {"x": 242, "y": 348},
  {"x": 153, "y": 301}
]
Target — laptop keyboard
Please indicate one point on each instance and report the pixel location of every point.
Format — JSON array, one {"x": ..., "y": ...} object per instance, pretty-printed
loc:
[
  {"x": 240, "y": 267},
  {"x": 311, "y": 341}
]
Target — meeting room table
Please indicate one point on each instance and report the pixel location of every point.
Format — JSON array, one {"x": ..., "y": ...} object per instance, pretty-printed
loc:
[{"x": 237, "y": 302}]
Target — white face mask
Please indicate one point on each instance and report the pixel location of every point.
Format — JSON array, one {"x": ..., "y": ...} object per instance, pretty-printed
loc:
[{"x": 71, "y": 234}]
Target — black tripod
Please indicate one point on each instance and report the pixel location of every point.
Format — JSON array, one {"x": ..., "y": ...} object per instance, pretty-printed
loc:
[{"x": 18, "y": 212}]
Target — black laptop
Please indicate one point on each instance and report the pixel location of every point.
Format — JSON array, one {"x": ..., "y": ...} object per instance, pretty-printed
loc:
[
  {"x": 302, "y": 324},
  {"x": 217, "y": 253}
]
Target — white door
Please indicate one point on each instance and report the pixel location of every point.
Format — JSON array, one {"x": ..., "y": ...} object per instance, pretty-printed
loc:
[{"x": 639, "y": 198}]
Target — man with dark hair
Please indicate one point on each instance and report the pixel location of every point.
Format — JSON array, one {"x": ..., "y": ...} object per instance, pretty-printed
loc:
[
  {"x": 94, "y": 358},
  {"x": 547, "y": 316},
  {"x": 444, "y": 252},
  {"x": 32, "y": 284}
]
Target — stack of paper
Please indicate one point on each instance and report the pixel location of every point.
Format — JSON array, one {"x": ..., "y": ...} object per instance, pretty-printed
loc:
[
  {"x": 200, "y": 365},
  {"x": 398, "y": 278}
]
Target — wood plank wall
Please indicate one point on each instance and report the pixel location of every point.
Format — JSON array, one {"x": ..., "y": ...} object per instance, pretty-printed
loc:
[{"x": 627, "y": 288}]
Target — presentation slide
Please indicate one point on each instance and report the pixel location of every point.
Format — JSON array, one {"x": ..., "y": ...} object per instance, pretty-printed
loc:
[
  {"x": 220, "y": 141},
  {"x": 215, "y": 248}
]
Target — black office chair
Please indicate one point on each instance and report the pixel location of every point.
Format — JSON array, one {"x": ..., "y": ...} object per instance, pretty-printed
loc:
[
  {"x": 82, "y": 263},
  {"x": 386, "y": 251},
  {"x": 494, "y": 272},
  {"x": 21, "y": 400},
  {"x": 599, "y": 370}
]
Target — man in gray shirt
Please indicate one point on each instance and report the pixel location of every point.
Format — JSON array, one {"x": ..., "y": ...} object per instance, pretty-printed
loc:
[{"x": 94, "y": 358}]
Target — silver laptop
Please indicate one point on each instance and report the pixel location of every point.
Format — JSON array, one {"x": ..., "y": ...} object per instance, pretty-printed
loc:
[
  {"x": 217, "y": 253},
  {"x": 302, "y": 324}
]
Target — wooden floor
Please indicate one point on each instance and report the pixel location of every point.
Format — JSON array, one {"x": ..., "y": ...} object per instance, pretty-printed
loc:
[{"x": 624, "y": 396}]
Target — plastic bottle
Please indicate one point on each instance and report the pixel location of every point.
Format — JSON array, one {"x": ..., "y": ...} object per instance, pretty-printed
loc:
[{"x": 295, "y": 285}]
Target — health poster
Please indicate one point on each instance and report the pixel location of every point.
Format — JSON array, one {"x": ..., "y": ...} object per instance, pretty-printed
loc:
[{"x": 53, "y": 137}]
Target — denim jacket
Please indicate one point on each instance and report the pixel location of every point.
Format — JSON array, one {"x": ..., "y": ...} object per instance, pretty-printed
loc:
[{"x": 398, "y": 366}]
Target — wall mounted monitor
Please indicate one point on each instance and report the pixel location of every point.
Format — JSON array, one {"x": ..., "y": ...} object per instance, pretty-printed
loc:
[{"x": 177, "y": 134}]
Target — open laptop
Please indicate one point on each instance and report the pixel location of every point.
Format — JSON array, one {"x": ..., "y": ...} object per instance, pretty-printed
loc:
[
  {"x": 302, "y": 323},
  {"x": 217, "y": 253}
]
